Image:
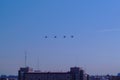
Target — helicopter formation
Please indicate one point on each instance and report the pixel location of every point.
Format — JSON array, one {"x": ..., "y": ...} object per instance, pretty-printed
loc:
[{"x": 64, "y": 36}]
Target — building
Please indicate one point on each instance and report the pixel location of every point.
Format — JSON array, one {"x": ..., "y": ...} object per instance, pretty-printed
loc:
[
  {"x": 10, "y": 77},
  {"x": 104, "y": 77},
  {"x": 3, "y": 77},
  {"x": 75, "y": 73},
  {"x": 115, "y": 78}
]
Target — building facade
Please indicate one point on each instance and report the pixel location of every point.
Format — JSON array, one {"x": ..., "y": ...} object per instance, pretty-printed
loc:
[
  {"x": 75, "y": 73},
  {"x": 10, "y": 77}
]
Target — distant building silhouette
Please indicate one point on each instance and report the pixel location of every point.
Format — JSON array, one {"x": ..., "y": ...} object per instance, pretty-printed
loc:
[
  {"x": 104, "y": 77},
  {"x": 10, "y": 77},
  {"x": 75, "y": 73}
]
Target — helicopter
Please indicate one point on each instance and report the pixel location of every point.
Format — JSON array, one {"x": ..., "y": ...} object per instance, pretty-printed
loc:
[{"x": 64, "y": 36}]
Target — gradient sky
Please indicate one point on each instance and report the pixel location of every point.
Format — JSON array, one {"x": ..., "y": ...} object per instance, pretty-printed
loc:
[{"x": 94, "y": 23}]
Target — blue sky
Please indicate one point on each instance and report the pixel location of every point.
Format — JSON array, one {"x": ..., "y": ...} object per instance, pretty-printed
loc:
[{"x": 94, "y": 23}]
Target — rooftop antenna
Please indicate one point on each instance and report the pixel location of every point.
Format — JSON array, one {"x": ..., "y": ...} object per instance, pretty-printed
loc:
[
  {"x": 25, "y": 59},
  {"x": 38, "y": 63}
]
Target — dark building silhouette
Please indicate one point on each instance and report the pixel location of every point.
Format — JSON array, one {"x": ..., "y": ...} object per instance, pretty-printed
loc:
[
  {"x": 10, "y": 77},
  {"x": 75, "y": 73},
  {"x": 115, "y": 78},
  {"x": 3, "y": 77}
]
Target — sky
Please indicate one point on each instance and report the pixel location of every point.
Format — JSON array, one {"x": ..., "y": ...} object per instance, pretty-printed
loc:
[{"x": 95, "y": 25}]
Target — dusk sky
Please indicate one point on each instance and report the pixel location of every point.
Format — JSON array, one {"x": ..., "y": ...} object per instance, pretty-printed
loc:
[{"x": 95, "y": 25}]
